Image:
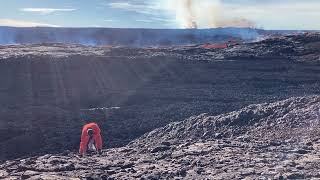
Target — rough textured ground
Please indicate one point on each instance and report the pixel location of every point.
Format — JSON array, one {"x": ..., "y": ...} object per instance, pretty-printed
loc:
[
  {"x": 272, "y": 140},
  {"x": 303, "y": 47},
  {"x": 43, "y": 87}
]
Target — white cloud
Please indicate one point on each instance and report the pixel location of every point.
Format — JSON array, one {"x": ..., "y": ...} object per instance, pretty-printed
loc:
[
  {"x": 108, "y": 20},
  {"x": 45, "y": 11},
  {"x": 142, "y": 8},
  {"x": 144, "y": 20},
  {"x": 163, "y": 19},
  {"x": 19, "y": 23}
]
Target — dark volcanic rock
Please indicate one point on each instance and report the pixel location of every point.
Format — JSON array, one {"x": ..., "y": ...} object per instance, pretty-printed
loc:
[
  {"x": 43, "y": 88},
  {"x": 159, "y": 149},
  {"x": 296, "y": 122},
  {"x": 126, "y": 37}
]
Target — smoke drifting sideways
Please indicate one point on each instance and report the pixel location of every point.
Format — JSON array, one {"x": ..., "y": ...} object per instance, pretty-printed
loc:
[{"x": 192, "y": 14}]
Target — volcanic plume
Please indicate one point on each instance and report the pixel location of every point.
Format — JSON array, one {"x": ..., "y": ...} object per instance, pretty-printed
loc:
[
  {"x": 206, "y": 14},
  {"x": 191, "y": 22}
]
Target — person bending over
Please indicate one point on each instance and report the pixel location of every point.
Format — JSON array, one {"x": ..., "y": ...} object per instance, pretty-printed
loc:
[{"x": 91, "y": 140}]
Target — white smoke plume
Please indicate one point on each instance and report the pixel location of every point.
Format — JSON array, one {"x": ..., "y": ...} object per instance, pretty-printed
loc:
[{"x": 206, "y": 14}]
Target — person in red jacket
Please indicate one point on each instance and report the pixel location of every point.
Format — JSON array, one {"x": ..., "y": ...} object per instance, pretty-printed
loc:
[{"x": 91, "y": 140}]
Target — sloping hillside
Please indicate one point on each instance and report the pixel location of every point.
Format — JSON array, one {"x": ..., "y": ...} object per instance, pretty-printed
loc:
[{"x": 271, "y": 140}]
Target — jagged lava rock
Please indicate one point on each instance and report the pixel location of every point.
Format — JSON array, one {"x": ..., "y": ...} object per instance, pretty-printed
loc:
[{"x": 259, "y": 142}]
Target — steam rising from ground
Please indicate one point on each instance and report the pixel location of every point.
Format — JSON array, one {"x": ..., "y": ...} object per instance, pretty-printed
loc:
[{"x": 206, "y": 14}]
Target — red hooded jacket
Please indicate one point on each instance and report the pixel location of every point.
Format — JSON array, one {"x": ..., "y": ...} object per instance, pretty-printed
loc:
[{"x": 85, "y": 137}]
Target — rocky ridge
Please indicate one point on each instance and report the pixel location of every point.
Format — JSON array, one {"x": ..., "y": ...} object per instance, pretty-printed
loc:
[
  {"x": 301, "y": 47},
  {"x": 262, "y": 141},
  {"x": 134, "y": 37}
]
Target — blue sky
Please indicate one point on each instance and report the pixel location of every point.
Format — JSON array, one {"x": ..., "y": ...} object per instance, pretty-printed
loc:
[{"x": 268, "y": 14}]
